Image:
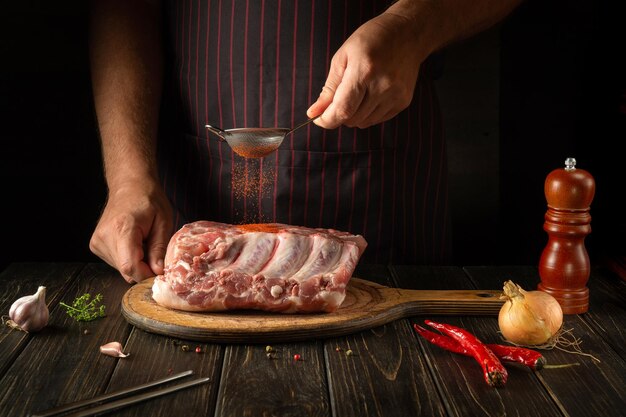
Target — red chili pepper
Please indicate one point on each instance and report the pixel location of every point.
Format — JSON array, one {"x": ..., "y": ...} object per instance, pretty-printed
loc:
[
  {"x": 528, "y": 357},
  {"x": 440, "y": 340},
  {"x": 494, "y": 372},
  {"x": 531, "y": 358}
]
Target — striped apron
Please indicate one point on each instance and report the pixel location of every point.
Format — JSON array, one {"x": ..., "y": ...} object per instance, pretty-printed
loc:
[{"x": 261, "y": 63}]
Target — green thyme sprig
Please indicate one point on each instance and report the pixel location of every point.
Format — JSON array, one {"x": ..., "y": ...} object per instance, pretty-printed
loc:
[{"x": 84, "y": 308}]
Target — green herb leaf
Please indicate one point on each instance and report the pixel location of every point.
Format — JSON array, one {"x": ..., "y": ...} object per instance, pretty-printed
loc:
[{"x": 84, "y": 308}]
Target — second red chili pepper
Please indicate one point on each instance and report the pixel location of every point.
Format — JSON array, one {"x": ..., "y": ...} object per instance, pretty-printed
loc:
[
  {"x": 494, "y": 372},
  {"x": 531, "y": 358},
  {"x": 528, "y": 357}
]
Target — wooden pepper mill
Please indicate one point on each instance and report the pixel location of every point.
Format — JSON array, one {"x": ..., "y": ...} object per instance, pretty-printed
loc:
[{"x": 564, "y": 265}]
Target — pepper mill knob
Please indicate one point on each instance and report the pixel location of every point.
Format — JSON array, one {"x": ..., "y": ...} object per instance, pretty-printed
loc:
[{"x": 564, "y": 266}]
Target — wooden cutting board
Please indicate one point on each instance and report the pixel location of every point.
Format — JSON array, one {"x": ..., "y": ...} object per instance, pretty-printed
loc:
[{"x": 366, "y": 305}]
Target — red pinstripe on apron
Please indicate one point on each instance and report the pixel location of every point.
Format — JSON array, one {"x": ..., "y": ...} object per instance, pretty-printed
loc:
[{"x": 244, "y": 63}]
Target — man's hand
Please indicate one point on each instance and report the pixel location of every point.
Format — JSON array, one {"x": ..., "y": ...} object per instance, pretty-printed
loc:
[
  {"x": 134, "y": 230},
  {"x": 372, "y": 76},
  {"x": 126, "y": 68}
]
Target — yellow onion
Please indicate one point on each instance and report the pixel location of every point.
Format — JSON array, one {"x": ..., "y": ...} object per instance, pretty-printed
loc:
[{"x": 529, "y": 318}]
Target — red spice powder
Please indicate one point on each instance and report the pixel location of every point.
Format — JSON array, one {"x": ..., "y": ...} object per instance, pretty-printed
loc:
[
  {"x": 251, "y": 183},
  {"x": 259, "y": 227},
  {"x": 251, "y": 150}
]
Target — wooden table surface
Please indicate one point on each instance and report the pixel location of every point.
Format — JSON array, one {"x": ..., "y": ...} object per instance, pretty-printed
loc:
[{"x": 392, "y": 372}]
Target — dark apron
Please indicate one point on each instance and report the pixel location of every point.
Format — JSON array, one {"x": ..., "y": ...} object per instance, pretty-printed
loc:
[{"x": 262, "y": 63}]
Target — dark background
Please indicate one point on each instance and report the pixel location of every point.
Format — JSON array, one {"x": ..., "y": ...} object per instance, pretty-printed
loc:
[
  {"x": 51, "y": 181},
  {"x": 518, "y": 99}
]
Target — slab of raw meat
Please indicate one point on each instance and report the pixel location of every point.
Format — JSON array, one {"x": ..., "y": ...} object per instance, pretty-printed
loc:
[{"x": 213, "y": 266}]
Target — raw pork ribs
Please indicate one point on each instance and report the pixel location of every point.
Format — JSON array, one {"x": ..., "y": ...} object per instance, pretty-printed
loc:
[{"x": 274, "y": 267}]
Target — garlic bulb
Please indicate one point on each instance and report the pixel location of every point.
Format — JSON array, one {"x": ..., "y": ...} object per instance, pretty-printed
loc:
[{"x": 30, "y": 313}]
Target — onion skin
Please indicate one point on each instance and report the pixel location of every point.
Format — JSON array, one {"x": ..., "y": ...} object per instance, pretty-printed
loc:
[{"x": 529, "y": 318}]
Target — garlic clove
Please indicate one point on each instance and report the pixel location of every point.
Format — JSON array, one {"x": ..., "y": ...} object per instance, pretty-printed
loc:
[
  {"x": 30, "y": 313},
  {"x": 113, "y": 349}
]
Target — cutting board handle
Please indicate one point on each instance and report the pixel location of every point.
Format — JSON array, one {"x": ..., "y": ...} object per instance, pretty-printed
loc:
[{"x": 442, "y": 302}]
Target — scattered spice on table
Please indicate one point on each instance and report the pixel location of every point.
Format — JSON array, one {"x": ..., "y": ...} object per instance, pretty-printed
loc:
[
  {"x": 297, "y": 357},
  {"x": 198, "y": 349}
]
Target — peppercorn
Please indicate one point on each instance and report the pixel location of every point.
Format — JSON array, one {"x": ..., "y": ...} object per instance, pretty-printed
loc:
[
  {"x": 185, "y": 348},
  {"x": 198, "y": 349},
  {"x": 86, "y": 331},
  {"x": 337, "y": 349},
  {"x": 297, "y": 357},
  {"x": 268, "y": 348}
]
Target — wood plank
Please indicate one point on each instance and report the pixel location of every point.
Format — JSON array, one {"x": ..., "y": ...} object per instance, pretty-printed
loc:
[
  {"x": 253, "y": 385},
  {"x": 63, "y": 364},
  {"x": 154, "y": 356},
  {"x": 607, "y": 308},
  {"x": 459, "y": 379},
  {"x": 21, "y": 279},
  {"x": 386, "y": 375},
  {"x": 592, "y": 388}
]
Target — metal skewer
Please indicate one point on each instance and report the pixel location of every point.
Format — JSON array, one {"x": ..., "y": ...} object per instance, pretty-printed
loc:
[{"x": 103, "y": 408}]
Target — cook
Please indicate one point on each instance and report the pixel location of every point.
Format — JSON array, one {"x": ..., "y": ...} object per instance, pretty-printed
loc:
[{"x": 374, "y": 166}]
